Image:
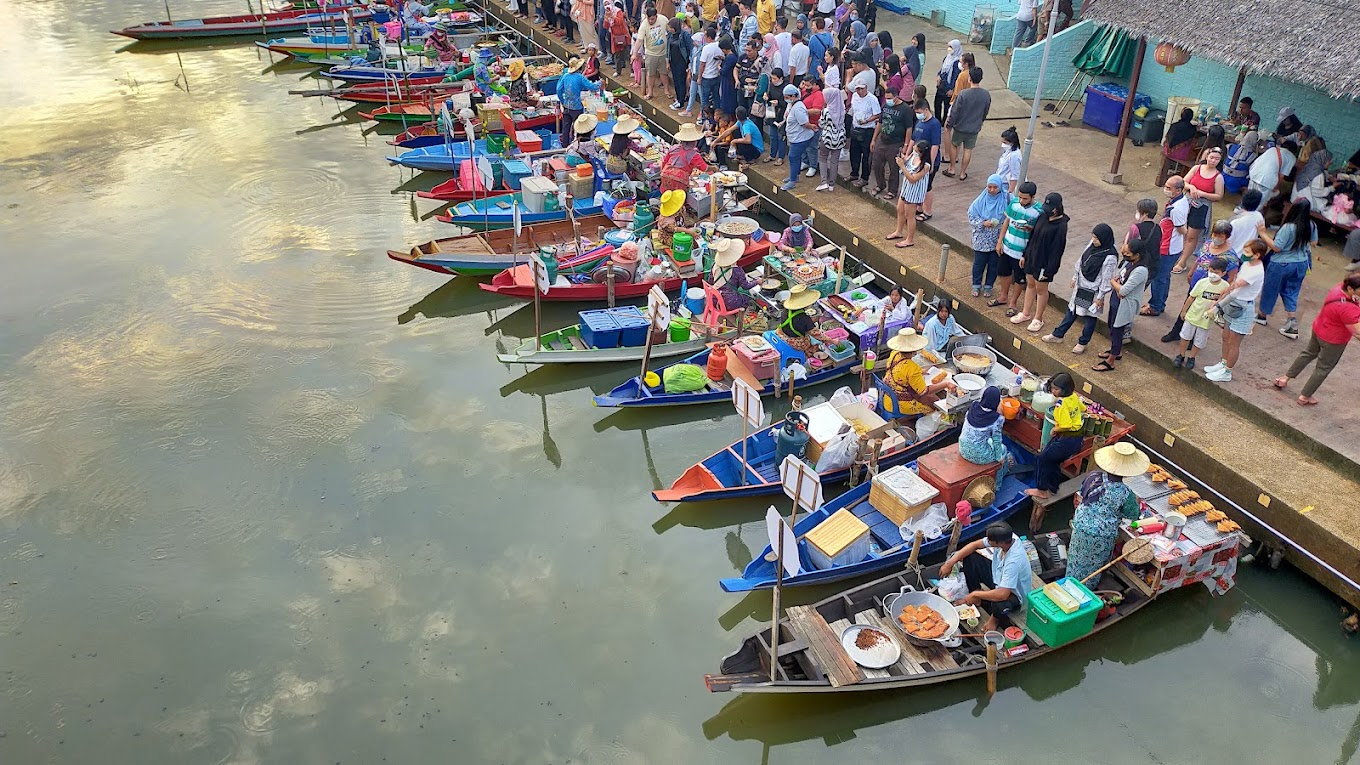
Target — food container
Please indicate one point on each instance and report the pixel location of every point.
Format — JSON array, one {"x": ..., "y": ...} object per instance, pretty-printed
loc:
[
  {"x": 761, "y": 358},
  {"x": 535, "y": 191},
  {"x": 840, "y": 540},
  {"x": 599, "y": 330},
  {"x": 516, "y": 171},
  {"x": 1014, "y": 636},
  {"x": 824, "y": 422},
  {"x": 1047, "y": 621},
  {"x": 1175, "y": 522},
  {"x": 632, "y": 324},
  {"x": 908, "y": 596},
  {"x": 528, "y": 141},
  {"x": 883, "y": 654},
  {"x": 864, "y": 419},
  {"x": 973, "y": 359},
  {"x": 1042, "y": 401},
  {"x": 900, "y": 494}
]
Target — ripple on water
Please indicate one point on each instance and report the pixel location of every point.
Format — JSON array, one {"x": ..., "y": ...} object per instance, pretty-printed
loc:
[
  {"x": 287, "y": 695},
  {"x": 307, "y": 416},
  {"x": 18, "y": 491},
  {"x": 1283, "y": 689}
]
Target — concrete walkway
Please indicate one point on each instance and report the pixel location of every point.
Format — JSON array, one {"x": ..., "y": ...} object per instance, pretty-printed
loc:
[{"x": 1299, "y": 486}]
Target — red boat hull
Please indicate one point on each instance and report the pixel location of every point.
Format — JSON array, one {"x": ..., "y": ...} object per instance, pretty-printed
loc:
[{"x": 518, "y": 282}]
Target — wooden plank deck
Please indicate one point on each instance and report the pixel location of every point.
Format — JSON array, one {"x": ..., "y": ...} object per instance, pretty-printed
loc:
[
  {"x": 824, "y": 646},
  {"x": 840, "y": 626},
  {"x": 915, "y": 659}
]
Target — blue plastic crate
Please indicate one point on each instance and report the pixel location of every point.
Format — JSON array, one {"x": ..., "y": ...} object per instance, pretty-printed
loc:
[
  {"x": 1103, "y": 111},
  {"x": 632, "y": 324},
  {"x": 515, "y": 171},
  {"x": 599, "y": 330}
]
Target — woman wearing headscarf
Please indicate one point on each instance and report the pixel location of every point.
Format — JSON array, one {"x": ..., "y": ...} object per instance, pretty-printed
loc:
[
  {"x": 946, "y": 77},
  {"x": 1041, "y": 260},
  {"x": 1310, "y": 182},
  {"x": 911, "y": 62},
  {"x": 985, "y": 216},
  {"x": 832, "y": 127},
  {"x": 980, "y": 440},
  {"x": 859, "y": 34},
  {"x": 796, "y": 238},
  {"x": 1101, "y": 503},
  {"x": 1090, "y": 287},
  {"x": 1068, "y": 414},
  {"x": 801, "y": 26},
  {"x": 1180, "y": 138}
]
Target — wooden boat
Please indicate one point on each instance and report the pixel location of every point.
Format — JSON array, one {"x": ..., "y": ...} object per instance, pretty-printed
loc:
[
  {"x": 719, "y": 476},
  {"x": 321, "y": 51},
  {"x": 440, "y": 156},
  {"x": 497, "y": 212},
  {"x": 518, "y": 282},
  {"x": 467, "y": 185},
  {"x": 427, "y": 134},
  {"x": 251, "y": 25},
  {"x": 395, "y": 71},
  {"x": 811, "y": 659},
  {"x": 490, "y": 252},
  {"x": 381, "y": 93},
  {"x": 891, "y": 550},
  {"x": 565, "y": 346},
  {"x": 633, "y": 393}
]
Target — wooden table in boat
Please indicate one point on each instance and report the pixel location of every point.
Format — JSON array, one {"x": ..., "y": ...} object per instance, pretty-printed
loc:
[{"x": 824, "y": 647}]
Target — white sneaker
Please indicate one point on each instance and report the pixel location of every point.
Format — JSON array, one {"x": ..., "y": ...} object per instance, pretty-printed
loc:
[
  {"x": 1051, "y": 339},
  {"x": 822, "y": 187},
  {"x": 811, "y": 171},
  {"x": 1222, "y": 374},
  {"x": 1213, "y": 368}
]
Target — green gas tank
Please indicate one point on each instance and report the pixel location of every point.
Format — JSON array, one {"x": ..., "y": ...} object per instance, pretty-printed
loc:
[{"x": 643, "y": 218}]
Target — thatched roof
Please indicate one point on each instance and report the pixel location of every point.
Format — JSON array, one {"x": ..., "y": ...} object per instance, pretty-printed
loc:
[{"x": 1311, "y": 43}]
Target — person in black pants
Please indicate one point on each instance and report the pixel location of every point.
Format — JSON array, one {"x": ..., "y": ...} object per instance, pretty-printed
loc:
[
  {"x": 946, "y": 78},
  {"x": 864, "y": 115}
]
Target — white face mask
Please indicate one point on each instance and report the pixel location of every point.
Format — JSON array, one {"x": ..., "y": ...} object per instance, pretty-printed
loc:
[{"x": 1214, "y": 278}]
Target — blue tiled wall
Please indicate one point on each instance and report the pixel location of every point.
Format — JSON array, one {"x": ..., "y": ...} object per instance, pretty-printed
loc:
[{"x": 1024, "y": 76}]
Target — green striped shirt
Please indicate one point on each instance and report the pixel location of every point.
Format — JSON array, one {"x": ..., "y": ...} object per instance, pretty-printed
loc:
[{"x": 1019, "y": 223}]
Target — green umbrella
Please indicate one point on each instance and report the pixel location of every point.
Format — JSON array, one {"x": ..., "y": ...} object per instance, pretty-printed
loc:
[{"x": 1109, "y": 53}]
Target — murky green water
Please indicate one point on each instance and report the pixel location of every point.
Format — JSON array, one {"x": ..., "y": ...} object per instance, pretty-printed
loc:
[{"x": 267, "y": 497}]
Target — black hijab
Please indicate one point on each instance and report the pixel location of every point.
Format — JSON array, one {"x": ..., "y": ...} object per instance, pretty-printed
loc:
[
  {"x": 1181, "y": 130},
  {"x": 1093, "y": 260}
]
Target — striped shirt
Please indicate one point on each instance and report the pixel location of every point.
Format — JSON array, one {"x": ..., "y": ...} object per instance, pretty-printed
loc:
[{"x": 1019, "y": 224}]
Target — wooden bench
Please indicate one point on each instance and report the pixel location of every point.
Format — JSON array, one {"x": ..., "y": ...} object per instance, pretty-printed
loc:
[{"x": 824, "y": 645}]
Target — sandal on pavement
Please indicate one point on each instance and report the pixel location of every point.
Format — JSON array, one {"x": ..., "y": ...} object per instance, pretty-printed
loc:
[
  {"x": 1306, "y": 401},
  {"x": 995, "y": 303},
  {"x": 947, "y": 173},
  {"x": 1010, "y": 312},
  {"x": 902, "y": 245},
  {"x": 891, "y": 237},
  {"x": 1104, "y": 366},
  {"x": 1281, "y": 383}
]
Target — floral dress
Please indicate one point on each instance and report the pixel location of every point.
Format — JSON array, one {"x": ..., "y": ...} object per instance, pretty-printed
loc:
[
  {"x": 1095, "y": 524},
  {"x": 983, "y": 446}
]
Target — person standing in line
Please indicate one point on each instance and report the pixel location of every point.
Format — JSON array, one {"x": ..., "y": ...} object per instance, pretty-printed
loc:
[
  {"x": 890, "y": 133},
  {"x": 1237, "y": 310},
  {"x": 801, "y": 131},
  {"x": 679, "y": 51},
  {"x": 748, "y": 73},
  {"x": 1174, "y": 229},
  {"x": 770, "y": 96},
  {"x": 799, "y": 56},
  {"x": 1292, "y": 246},
  {"x": 947, "y": 77},
  {"x": 1203, "y": 187},
  {"x": 865, "y": 112},
  {"x": 1021, "y": 212},
  {"x": 1195, "y": 321},
  {"x": 1217, "y": 246},
  {"x": 963, "y": 82},
  {"x": 1245, "y": 222},
  {"x": 1042, "y": 259},
  {"x": 765, "y": 16},
  {"x": 710, "y": 72},
  {"x": 654, "y": 46},
  {"x": 915, "y": 166},
  {"x": 1025, "y": 24},
  {"x": 620, "y": 39},
  {"x": 1091, "y": 278},
  {"x": 831, "y": 137},
  {"x": 965, "y": 122},
  {"x": 1008, "y": 164},
  {"x": 1335, "y": 325},
  {"x": 727, "y": 78},
  {"x": 986, "y": 215},
  {"x": 750, "y": 28},
  {"x": 814, "y": 101},
  {"x": 1126, "y": 296},
  {"x": 928, "y": 129}
]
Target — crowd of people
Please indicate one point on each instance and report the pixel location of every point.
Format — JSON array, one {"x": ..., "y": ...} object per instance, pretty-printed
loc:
[{"x": 816, "y": 88}]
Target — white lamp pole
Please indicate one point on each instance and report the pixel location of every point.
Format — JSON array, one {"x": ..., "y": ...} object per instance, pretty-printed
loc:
[{"x": 1038, "y": 93}]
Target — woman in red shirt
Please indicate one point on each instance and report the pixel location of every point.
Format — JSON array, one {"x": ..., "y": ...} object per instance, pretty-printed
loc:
[{"x": 1335, "y": 325}]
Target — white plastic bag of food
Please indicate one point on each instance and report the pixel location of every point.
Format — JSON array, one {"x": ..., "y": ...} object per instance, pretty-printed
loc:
[
  {"x": 953, "y": 587},
  {"x": 932, "y": 523},
  {"x": 843, "y": 396},
  {"x": 839, "y": 452},
  {"x": 795, "y": 370}
]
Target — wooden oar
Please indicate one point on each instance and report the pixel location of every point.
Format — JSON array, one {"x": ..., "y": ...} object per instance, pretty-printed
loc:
[{"x": 1138, "y": 551}]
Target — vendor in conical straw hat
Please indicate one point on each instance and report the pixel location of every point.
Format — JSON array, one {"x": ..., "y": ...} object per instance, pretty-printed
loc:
[
  {"x": 729, "y": 278},
  {"x": 798, "y": 328},
  {"x": 674, "y": 218},
  {"x": 621, "y": 145},
  {"x": 519, "y": 84},
  {"x": 585, "y": 146},
  {"x": 683, "y": 159},
  {"x": 915, "y": 394},
  {"x": 1101, "y": 503}
]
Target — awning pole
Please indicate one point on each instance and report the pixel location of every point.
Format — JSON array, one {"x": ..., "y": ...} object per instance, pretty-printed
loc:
[
  {"x": 1124, "y": 121},
  {"x": 1038, "y": 93},
  {"x": 1237, "y": 90}
]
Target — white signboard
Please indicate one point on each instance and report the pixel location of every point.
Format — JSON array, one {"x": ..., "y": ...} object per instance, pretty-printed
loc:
[
  {"x": 774, "y": 523},
  {"x": 540, "y": 268},
  {"x": 515, "y": 216},
  {"x": 658, "y": 307},
  {"x": 801, "y": 483},
  {"x": 746, "y": 400}
]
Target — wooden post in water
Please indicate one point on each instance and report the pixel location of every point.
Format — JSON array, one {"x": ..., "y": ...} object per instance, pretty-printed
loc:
[
  {"x": 647, "y": 349},
  {"x": 609, "y": 283},
  {"x": 991, "y": 669},
  {"x": 840, "y": 271},
  {"x": 167, "y": 13},
  {"x": 916, "y": 549}
]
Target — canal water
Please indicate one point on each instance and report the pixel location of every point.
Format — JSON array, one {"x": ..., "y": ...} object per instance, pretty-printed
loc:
[{"x": 267, "y": 497}]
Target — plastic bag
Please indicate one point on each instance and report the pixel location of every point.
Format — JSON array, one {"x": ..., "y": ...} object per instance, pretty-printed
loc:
[
  {"x": 843, "y": 396},
  {"x": 684, "y": 378},
  {"x": 927, "y": 426},
  {"x": 796, "y": 370},
  {"x": 840, "y": 451},
  {"x": 932, "y": 523},
  {"x": 953, "y": 587}
]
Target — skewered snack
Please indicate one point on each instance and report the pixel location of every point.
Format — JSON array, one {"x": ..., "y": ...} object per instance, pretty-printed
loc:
[
  {"x": 1214, "y": 516},
  {"x": 1183, "y": 497},
  {"x": 1225, "y": 527},
  {"x": 1176, "y": 483}
]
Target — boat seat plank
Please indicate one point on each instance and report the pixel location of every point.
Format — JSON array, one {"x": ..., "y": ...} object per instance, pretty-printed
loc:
[
  {"x": 556, "y": 345},
  {"x": 791, "y": 647},
  {"x": 862, "y": 618},
  {"x": 887, "y": 532},
  {"x": 577, "y": 343},
  {"x": 824, "y": 646}
]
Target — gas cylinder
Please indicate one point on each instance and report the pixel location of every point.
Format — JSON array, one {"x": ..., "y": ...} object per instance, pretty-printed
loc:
[
  {"x": 717, "y": 362},
  {"x": 642, "y": 220},
  {"x": 792, "y": 438}
]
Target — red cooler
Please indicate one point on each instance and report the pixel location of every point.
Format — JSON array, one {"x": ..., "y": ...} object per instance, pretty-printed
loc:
[
  {"x": 947, "y": 471},
  {"x": 758, "y": 355}
]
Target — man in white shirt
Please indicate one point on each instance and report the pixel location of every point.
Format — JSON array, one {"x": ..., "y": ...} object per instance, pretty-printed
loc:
[
  {"x": 1024, "y": 24},
  {"x": 653, "y": 32},
  {"x": 783, "y": 43},
  {"x": 864, "y": 115},
  {"x": 1248, "y": 218},
  {"x": 862, "y": 76},
  {"x": 826, "y": 7},
  {"x": 1269, "y": 169},
  {"x": 798, "y": 58},
  {"x": 710, "y": 68}
]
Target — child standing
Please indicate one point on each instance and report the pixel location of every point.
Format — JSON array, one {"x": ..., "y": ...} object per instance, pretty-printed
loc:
[{"x": 1195, "y": 312}]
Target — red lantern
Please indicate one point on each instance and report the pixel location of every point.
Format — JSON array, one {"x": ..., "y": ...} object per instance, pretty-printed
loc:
[{"x": 1170, "y": 56}]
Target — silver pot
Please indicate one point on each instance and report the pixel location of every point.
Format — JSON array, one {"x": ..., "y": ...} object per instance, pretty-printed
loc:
[{"x": 908, "y": 596}]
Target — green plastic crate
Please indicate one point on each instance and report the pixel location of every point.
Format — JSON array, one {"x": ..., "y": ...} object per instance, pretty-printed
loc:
[{"x": 1054, "y": 627}]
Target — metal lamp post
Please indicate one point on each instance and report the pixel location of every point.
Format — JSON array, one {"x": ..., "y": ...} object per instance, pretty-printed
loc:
[{"x": 1038, "y": 93}]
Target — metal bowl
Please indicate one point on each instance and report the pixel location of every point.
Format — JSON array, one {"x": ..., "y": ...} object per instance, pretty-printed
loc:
[
  {"x": 970, "y": 366},
  {"x": 894, "y": 604},
  {"x": 885, "y": 654}
]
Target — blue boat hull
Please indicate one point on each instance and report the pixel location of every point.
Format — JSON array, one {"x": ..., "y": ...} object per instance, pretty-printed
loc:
[
  {"x": 486, "y": 215},
  {"x": 760, "y": 573},
  {"x": 761, "y": 469},
  {"x": 438, "y": 157},
  {"x": 634, "y": 394},
  {"x": 378, "y": 74}
]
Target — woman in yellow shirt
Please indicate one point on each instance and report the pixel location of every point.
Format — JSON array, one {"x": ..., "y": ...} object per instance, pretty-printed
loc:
[
  {"x": 915, "y": 396},
  {"x": 1066, "y": 439}
]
